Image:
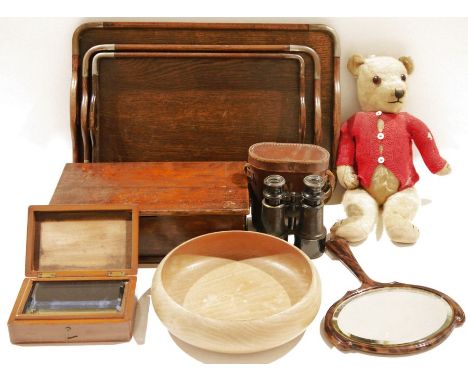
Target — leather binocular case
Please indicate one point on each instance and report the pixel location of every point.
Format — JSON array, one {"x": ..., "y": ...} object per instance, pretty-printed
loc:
[{"x": 293, "y": 162}]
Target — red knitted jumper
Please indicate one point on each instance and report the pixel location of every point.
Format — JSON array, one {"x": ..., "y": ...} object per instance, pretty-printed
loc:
[{"x": 360, "y": 141}]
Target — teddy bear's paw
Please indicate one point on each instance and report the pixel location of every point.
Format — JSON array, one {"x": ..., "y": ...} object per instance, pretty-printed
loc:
[
  {"x": 350, "y": 229},
  {"x": 403, "y": 232},
  {"x": 347, "y": 177},
  {"x": 351, "y": 182},
  {"x": 446, "y": 170}
]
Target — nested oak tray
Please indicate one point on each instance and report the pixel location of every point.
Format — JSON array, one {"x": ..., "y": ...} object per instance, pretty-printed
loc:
[
  {"x": 202, "y": 106},
  {"x": 176, "y": 201},
  {"x": 308, "y": 99},
  {"x": 318, "y": 37},
  {"x": 306, "y": 90}
]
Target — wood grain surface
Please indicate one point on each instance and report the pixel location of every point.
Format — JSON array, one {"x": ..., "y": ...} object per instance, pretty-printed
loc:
[
  {"x": 177, "y": 201},
  {"x": 82, "y": 240},
  {"x": 102, "y": 244},
  {"x": 318, "y": 37},
  {"x": 189, "y": 188},
  {"x": 99, "y": 228},
  {"x": 236, "y": 292},
  {"x": 197, "y": 106},
  {"x": 91, "y": 57},
  {"x": 160, "y": 234}
]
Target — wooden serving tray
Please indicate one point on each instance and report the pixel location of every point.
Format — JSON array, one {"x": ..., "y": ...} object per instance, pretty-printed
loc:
[
  {"x": 228, "y": 126},
  {"x": 188, "y": 125},
  {"x": 177, "y": 201},
  {"x": 81, "y": 266},
  {"x": 301, "y": 53},
  {"x": 307, "y": 99}
]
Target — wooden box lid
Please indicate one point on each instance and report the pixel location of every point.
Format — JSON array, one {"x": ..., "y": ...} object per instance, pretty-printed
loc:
[
  {"x": 82, "y": 241},
  {"x": 158, "y": 189}
]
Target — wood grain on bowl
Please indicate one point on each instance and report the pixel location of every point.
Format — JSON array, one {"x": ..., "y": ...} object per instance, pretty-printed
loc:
[{"x": 236, "y": 292}]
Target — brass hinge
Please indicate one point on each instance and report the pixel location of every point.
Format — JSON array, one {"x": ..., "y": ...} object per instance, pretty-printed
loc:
[
  {"x": 116, "y": 274},
  {"x": 46, "y": 275}
]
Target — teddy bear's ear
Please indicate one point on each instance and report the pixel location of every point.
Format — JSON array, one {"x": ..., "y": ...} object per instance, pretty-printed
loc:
[
  {"x": 354, "y": 62},
  {"x": 408, "y": 62}
]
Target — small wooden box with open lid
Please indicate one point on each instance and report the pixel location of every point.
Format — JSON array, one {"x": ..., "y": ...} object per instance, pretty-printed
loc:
[{"x": 81, "y": 266}]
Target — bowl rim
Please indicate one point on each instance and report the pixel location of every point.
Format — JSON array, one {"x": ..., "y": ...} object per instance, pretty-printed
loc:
[{"x": 313, "y": 288}]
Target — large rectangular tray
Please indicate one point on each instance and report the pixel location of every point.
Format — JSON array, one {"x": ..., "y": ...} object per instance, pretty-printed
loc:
[
  {"x": 229, "y": 95},
  {"x": 321, "y": 38},
  {"x": 160, "y": 113}
]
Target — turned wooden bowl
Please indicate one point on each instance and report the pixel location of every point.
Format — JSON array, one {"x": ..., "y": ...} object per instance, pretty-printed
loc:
[{"x": 236, "y": 292}]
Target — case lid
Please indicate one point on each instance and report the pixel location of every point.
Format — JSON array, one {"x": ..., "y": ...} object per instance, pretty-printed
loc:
[
  {"x": 82, "y": 240},
  {"x": 288, "y": 157}
]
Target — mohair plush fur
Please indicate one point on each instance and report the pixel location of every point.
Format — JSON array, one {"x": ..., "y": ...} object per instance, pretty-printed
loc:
[{"x": 375, "y": 153}]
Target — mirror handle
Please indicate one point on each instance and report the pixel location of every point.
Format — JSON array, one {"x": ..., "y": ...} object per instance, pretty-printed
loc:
[{"x": 340, "y": 248}]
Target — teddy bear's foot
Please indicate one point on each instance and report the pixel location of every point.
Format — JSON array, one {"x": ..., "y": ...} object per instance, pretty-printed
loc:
[
  {"x": 351, "y": 229},
  {"x": 399, "y": 210},
  {"x": 403, "y": 231},
  {"x": 362, "y": 210}
]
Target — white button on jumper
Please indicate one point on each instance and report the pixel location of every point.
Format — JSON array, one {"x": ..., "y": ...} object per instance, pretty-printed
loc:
[
  {"x": 381, "y": 160},
  {"x": 378, "y": 114},
  {"x": 380, "y": 136}
]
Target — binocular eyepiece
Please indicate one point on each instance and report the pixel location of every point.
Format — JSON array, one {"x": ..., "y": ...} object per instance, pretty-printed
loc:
[
  {"x": 274, "y": 206},
  {"x": 295, "y": 213}
]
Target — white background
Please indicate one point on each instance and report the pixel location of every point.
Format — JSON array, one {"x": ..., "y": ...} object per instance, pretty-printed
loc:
[{"x": 35, "y": 71}]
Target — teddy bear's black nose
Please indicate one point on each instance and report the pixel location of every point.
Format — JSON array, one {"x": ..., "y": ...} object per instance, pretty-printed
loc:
[{"x": 399, "y": 93}]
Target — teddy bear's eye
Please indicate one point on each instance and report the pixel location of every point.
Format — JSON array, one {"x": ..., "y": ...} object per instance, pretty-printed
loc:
[
  {"x": 377, "y": 80},
  {"x": 403, "y": 77}
]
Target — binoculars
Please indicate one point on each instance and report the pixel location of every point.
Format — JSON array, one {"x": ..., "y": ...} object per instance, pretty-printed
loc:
[{"x": 301, "y": 214}]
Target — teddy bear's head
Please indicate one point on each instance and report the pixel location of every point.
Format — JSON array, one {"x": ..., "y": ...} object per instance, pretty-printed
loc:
[{"x": 381, "y": 81}]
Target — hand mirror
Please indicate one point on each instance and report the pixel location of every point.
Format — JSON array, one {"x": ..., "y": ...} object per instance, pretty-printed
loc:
[{"x": 388, "y": 318}]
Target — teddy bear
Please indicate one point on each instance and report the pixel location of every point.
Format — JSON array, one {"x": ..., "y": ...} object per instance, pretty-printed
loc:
[{"x": 374, "y": 159}]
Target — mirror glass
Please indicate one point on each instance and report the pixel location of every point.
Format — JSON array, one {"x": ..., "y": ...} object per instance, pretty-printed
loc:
[
  {"x": 392, "y": 316},
  {"x": 75, "y": 297}
]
